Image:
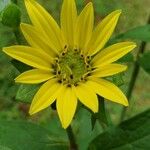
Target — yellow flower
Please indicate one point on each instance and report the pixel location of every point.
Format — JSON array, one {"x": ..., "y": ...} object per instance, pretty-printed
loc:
[{"x": 70, "y": 59}]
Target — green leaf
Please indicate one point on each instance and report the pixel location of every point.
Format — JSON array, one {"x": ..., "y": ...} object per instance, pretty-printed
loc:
[
  {"x": 93, "y": 120},
  {"x": 118, "y": 79},
  {"x": 127, "y": 58},
  {"x": 4, "y": 148},
  {"x": 133, "y": 134},
  {"x": 11, "y": 16},
  {"x": 20, "y": 66},
  {"x": 83, "y": 129},
  {"x": 144, "y": 61},
  {"x": 20, "y": 135},
  {"x": 141, "y": 33},
  {"x": 8, "y": 37},
  {"x": 26, "y": 92}
]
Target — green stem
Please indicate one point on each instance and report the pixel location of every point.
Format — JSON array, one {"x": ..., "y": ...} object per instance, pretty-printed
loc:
[
  {"x": 136, "y": 69},
  {"x": 103, "y": 116},
  {"x": 72, "y": 140}
]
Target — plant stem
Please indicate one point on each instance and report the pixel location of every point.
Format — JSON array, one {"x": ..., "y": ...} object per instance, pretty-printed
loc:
[
  {"x": 72, "y": 140},
  {"x": 135, "y": 73},
  {"x": 102, "y": 115}
]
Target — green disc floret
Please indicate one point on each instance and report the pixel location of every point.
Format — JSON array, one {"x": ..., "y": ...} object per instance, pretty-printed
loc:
[{"x": 71, "y": 67}]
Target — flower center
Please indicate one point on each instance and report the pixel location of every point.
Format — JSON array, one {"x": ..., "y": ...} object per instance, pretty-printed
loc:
[{"x": 71, "y": 67}]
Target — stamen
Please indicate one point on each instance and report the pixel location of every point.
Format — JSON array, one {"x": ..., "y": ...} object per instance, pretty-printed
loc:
[
  {"x": 88, "y": 57},
  {"x": 70, "y": 71},
  {"x": 87, "y": 74},
  {"x": 82, "y": 78},
  {"x": 58, "y": 67},
  {"x": 82, "y": 55},
  {"x": 69, "y": 85},
  {"x": 65, "y": 49},
  {"x": 56, "y": 60},
  {"x": 58, "y": 72},
  {"x": 65, "y": 46},
  {"x": 76, "y": 84},
  {"x": 93, "y": 69},
  {"x": 85, "y": 60},
  {"x": 59, "y": 81},
  {"x": 75, "y": 49},
  {"x": 64, "y": 79},
  {"x": 63, "y": 53},
  {"x": 71, "y": 76},
  {"x": 88, "y": 66}
]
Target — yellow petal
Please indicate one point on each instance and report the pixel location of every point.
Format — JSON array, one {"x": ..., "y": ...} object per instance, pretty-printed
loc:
[
  {"x": 108, "y": 70},
  {"x": 108, "y": 90},
  {"x": 113, "y": 53},
  {"x": 30, "y": 56},
  {"x": 87, "y": 96},
  {"x": 34, "y": 76},
  {"x": 84, "y": 27},
  {"x": 45, "y": 96},
  {"x": 66, "y": 106},
  {"x": 36, "y": 40},
  {"x": 103, "y": 32},
  {"x": 68, "y": 20},
  {"x": 44, "y": 23}
]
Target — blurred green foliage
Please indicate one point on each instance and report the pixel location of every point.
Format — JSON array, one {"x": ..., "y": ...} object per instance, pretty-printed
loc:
[{"x": 129, "y": 135}]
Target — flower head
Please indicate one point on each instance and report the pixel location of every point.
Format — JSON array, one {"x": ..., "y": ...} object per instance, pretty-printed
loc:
[{"x": 70, "y": 60}]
